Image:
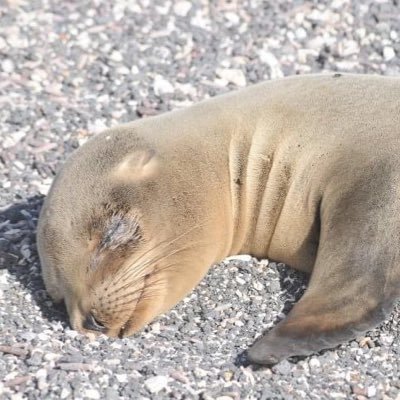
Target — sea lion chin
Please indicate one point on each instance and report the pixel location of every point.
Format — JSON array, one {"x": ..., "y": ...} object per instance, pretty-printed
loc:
[{"x": 303, "y": 170}]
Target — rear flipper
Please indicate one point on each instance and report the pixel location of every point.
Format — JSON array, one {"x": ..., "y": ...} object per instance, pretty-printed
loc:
[
  {"x": 312, "y": 326},
  {"x": 355, "y": 281}
]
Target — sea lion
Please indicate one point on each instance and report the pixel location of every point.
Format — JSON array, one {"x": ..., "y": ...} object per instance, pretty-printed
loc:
[{"x": 304, "y": 170}]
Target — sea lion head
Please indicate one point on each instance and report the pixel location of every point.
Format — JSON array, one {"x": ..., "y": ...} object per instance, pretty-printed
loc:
[{"x": 113, "y": 243}]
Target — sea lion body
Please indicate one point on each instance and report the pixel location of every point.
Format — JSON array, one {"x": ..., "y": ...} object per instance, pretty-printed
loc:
[{"x": 303, "y": 170}]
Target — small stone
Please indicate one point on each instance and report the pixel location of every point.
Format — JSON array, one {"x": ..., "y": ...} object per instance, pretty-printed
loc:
[
  {"x": 92, "y": 394},
  {"x": 121, "y": 378},
  {"x": 96, "y": 126},
  {"x": 65, "y": 393},
  {"x": 12, "y": 139},
  {"x": 274, "y": 65},
  {"x": 358, "y": 390},
  {"x": 366, "y": 342},
  {"x": 301, "y": 33},
  {"x": 228, "y": 375},
  {"x": 113, "y": 361},
  {"x": 235, "y": 76},
  {"x": 283, "y": 368},
  {"x": 386, "y": 339},
  {"x": 232, "y": 17},
  {"x": 240, "y": 281},
  {"x": 314, "y": 363},
  {"x": 84, "y": 40},
  {"x": 156, "y": 383},
  {"x": 111, "y": 394},
  {"x": 182, "y": 8},
  {"x": 41, "y": 376},
  {"x": 7, "y": 66},
  {"x": 200, "y": 373},
  {"x": 371, "y": 391},
  {"x": 347, "y": 48},
  {"x": 388, "y": 53},
  {"x": 116, "y": 56},
  {"x": 179, "y": 376},
  {"x": 161, "y": 86}
]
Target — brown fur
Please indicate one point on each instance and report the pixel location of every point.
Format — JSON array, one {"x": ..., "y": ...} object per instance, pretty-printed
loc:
[{"x": 304, "y": 170}]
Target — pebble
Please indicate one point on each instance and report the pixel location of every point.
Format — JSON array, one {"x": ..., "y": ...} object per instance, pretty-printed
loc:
[
  {"x": 388, "y": 53},
  {"x": 116, "y": 56},
  {"x": 182, "y": 8},
  {"x": 92, "y": 394},
  {"x": 7, "y": 66},
  {"x": 121, "y": 378},
  {"x": 161, "y": 86},
  {"x": 314, "y": 363},
  {"x": 284, "y": 367},
  {"x": 156, "y": 383},
  {"x": 273, "y": 63},
  {"x": 235, "y": 76}
]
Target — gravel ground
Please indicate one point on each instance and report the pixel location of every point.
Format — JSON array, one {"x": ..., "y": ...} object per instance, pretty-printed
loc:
[{"x": 70, "y": 68}]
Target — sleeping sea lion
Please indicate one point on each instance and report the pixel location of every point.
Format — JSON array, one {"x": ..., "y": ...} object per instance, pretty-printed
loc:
[{"x": 304, "y": 170}]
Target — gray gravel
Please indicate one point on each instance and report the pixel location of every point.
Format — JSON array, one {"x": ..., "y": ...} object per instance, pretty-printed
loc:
[{"x": 70, "y": 68}]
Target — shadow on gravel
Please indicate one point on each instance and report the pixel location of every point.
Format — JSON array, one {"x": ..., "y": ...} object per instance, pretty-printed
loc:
[
  {"x": 18, "y": 254},
  {"x": 292, "y": 285}
]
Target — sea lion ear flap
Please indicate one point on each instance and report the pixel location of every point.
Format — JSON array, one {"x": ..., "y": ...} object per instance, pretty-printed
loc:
[{"x": 137, "y": 166}]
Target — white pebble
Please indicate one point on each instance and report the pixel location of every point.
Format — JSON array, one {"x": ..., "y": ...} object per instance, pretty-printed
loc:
[
  {"x": 388, "y": 53},
  {"x": 116, "y": 56},
  {"x": 270, "y": 59},
  {"x": 84, "y": 40},
  {"x": 314, "y": 363},
  {"x": 240, "y": 281},
  {"x": 7, "y": 66},
  {"x": 92, "y": 394},
  {"x": 13, "y": 138},
  {"x": 113, "y": 361},
  {"x": 64, "y": 393},
  {"x": 301, "y": 33},
  {"x": 156, "y": 383},
  {"x": 235, "y": 76},
  {"x": 371, "y": 391},
  {"x": 182, "y": 8},
  {"x": 96, "y": 126},
  {"x": 121, "y": 378},
  {"x": 232, "y": 17},
  {"x": 162, "y": 86},
  {"x": 387, "y": 340},
  {"x": 3, "y": 44}
]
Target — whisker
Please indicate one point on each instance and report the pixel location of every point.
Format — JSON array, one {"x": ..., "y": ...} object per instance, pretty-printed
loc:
[
  {"x": 133, "y": 273},
  {"x": 140, "y": 279},
  {"x": 161, "y": 244},
  {"x": 153, "y": 287}
]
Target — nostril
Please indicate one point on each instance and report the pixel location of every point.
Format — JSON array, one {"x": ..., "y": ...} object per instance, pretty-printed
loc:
[
  {"x": 121, "y": 333},
  {"x": 92, "y": 324}
]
